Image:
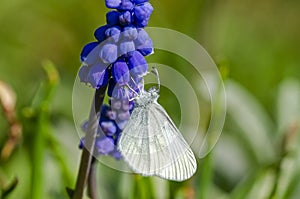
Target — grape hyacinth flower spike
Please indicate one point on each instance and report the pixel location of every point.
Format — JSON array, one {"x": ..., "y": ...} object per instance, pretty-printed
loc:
[{"x": 115, "y": 60}]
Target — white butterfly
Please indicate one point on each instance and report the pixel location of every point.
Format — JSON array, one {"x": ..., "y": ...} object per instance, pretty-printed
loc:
[{"x": 151, "y": 143}]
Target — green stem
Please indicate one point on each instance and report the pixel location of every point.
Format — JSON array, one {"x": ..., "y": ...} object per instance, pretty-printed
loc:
[
  {"x": 148, "y": 188},
  {"x": 174, "y": 187},
  {"x": 206, "y": 176},
  {"x": 38, "y": 156},
  {"x": 37, "y": 185},
  {"x": 143, "y": 187},
  {"x": 89, "y": 144}
]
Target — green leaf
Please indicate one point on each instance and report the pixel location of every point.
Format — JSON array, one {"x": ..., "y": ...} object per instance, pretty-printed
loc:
[
  {"x": 262, "y": 187},
  {"x": 288, "y": 104},
  {"x": 252, "y": 119},
  {"x": 10, "y": 187},
  {"x": 246, "y": 184},
  {"x": 41, "y": 106},
  {"x": 226, "y": 153}
]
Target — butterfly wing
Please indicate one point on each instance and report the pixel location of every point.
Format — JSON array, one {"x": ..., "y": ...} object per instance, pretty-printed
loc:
[
  {"x": 152, "y": 145},
  {"x": 183, "y": 164}
]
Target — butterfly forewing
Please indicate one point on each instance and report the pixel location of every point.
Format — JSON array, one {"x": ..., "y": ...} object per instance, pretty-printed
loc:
[
  {"x": 152, "y": 145},
  {"x": 133, "y": 142}
]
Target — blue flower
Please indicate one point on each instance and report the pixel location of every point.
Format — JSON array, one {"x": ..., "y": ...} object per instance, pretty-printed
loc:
[
  {"x": 125, "y": 5},
  {"x": 121, "y": 57},
  {"x": 105, "y": 145},
  {"x": 112, "y": 3},
  {"x": 109, "y": 53},
  {"x": 112, "y": 17},
  {"x": 137, "y": 64},
  {"x": 87, "y": 49},
  {"x": 97, "y": 76},
  {"x": 123, "y": 38},
  {"x": 110, "y": 128},
  {"x": 130, "y": 33},
  {"x": 121, "y": 124},
  {"x": 128, "y": 11},
  {"x": 83, "y": 73},
  {"x": 125, "y": 105},
  {"x": 142, "y": 14},
  {"x": 126, "y": 47},
  {"x": 117, "y": 60},
  {"x": 143, "y": 43},
  {"x": 116, "y": 154},
  {"x": 81, "y": 143},
  {"x": 115, "y": 104},
  {"x": 90, "y": 53},
  {"x": 123, "y": 116},
  {"x": 139, "y": 1},
  {"x": 100, "y": 33},
  {"x": 113, "y": 33},
  {"x": 128, "y": 70},
  {"x": 125, "y": 18},
  {"x": 111, "y": 115},
  {"x": 117, "y": 91},
  {"x": 120, "y": 73}
]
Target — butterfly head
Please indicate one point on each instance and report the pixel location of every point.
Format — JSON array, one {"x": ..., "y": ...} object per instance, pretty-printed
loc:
[{"x": 147, "y": 97}]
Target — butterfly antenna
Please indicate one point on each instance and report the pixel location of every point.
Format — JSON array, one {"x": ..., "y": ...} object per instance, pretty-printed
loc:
[
  {"x": 135, "y": 84},
  {"x": 143, "y": 84},
  {"x": 130, "y": 88},
  {"x": 155, "y": 72}
]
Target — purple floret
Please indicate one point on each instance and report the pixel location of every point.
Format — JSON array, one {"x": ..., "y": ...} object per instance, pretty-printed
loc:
[{"x": 105, "y": 145}]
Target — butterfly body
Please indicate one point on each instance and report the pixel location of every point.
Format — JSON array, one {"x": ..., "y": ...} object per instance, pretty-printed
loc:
[
  {"x": 151, "y": 143},
  {"x": 145, "y": 99}
]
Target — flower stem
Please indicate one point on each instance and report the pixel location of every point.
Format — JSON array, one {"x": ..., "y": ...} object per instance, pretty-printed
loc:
[
  {"x": 88, "y": 150},
  {"x": 92, "y": 182}
]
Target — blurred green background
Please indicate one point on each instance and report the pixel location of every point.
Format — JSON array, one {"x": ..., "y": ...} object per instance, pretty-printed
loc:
[{"x": 254, "y": 43}]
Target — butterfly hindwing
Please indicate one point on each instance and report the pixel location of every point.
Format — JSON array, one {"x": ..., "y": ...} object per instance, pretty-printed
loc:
[
  {"x": 152, "y": 145},
  {"x": 183, "y": 164}
]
